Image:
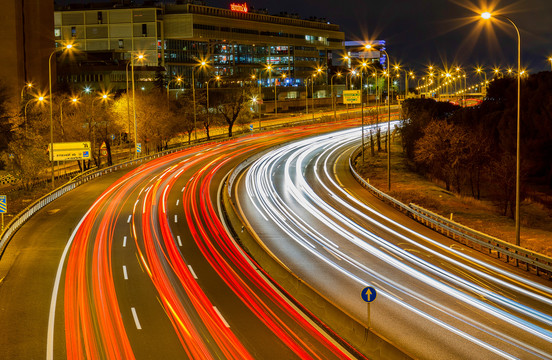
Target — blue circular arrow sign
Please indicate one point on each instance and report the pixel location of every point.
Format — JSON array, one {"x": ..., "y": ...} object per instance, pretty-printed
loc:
[{"x": 368, "y": 294}]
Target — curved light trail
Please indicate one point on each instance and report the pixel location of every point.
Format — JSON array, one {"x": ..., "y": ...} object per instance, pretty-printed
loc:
[
  {"x": 470, "y": 305},
  {"x": 140, "y": 205}
]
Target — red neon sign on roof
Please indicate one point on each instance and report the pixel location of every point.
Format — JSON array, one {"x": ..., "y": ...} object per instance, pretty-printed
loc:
[{"x": 239, "y": 7}]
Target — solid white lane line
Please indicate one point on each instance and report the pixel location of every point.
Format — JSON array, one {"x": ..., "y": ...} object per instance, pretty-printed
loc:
[
  {"x": 221, "y": 317},
  {"x": 192, "y": 271},
  {"x": 129, "y": 218},
  {"x": 179, "y": 240},
  {"x": 125, "y": 275},
  {"x": 176, "y": 218},
  {"x": 124, "y": 241},
  {"x": 136, "y": 321}
]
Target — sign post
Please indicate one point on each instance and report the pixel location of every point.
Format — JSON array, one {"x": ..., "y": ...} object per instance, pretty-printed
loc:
[
  {"x": 368, "y": 294},
  {"x": 351, "y": 97},
  {"x": 3, "y": 208}
]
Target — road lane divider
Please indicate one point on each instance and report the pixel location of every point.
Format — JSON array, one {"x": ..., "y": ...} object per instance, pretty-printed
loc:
[{"x": 135, "y": 316}]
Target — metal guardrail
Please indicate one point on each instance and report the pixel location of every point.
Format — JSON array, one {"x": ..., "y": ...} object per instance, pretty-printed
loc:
[
  {"x": 81, "y": 178},
  {"x": 470, "y": 237}
]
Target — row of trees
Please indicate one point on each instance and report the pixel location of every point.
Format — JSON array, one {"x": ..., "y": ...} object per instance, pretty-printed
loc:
[
  {"x": 110, "y": 120},
  {"x": 473, "y": 150}
]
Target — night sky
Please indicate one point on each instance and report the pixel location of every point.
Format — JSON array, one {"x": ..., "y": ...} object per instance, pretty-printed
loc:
[
  {"x": 440, "y": 32},
  {"x": 419, "y": 32}
]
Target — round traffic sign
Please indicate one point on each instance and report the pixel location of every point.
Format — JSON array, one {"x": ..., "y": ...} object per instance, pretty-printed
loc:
[{"x": 368, "y": 294}]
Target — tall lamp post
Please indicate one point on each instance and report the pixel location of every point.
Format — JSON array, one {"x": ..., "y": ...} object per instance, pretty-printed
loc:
[
  {"x": 177, "y": 79},
  {"x": 68, "y": 47},
  {"x": 480, "y": 70},
  {"x": 369, "y": 47},
  {"x": 334, "y": 105},
  {"x": 140, "y": 57},
  {"x": 487, "y": 15},
  {"x": 216, "y": 78},
  {"x": 25, "y": 88},
  {"x": 73, "y": 100},
  {"x": 40, "y": 98}
]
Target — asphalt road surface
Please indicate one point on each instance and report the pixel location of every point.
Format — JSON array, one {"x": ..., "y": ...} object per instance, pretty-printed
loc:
[
  {"x": 138, "y": 265},
  {"x": 437, "y": 299}
]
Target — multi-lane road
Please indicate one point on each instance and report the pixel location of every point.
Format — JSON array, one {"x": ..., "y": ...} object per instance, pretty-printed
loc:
[
  {"x": 437, "y": 299},
  {"x": 142, "y": 267}
]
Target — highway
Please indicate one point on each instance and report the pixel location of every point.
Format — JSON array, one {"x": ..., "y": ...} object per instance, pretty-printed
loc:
[
  {"x": 436, "y": 298},
  {"x": 141, "y": 266}
]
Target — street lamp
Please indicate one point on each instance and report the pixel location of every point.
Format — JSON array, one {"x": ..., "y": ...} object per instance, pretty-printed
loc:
[
  {"x": 140, "y": 57},
  {"x": 38, "y": 99},
  {"x": 269, "y": 69},
  {"x": 258, "y": 99},
  {"x": 74, "y": 101},
  {"x": 178, "y": 79},
  {"x": 334, "y": 105},
  {"x": 216, "y": 78},
  {"x": 550, "y": 60},
  {"x": 480, "y": 70},
  {"x": 487, "y": 15},
  {"x": 369, "y": 47},
  {"x": 25, "y": 88},
  {"x": 201, "y": 65},
  {"x": 51, "y": 96}
]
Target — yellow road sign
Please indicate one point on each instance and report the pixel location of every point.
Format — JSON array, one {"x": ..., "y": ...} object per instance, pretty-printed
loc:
[
  {"x": 71, "y": 151},
  {"x": 351, "y": 97}
]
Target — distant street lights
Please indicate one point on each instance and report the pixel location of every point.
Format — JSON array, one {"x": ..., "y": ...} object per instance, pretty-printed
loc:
[
  {"x": 51, "y": 98},
  {"x": 488, "y": 15}
]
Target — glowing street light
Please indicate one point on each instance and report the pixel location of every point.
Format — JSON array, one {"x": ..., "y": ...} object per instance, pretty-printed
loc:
[
  {"x": 216, "y": 78},
  {"x": 487, "y": 15},
  {"x": 51, "y": 98},
  {"x": 37, "y": 99},
  {"x": 334, "y": 105}
]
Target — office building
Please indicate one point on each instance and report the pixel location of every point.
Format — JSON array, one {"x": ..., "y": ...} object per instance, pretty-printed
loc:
[{"x": 236, "y": 42}]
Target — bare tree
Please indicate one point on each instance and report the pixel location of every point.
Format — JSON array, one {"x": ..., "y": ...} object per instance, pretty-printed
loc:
[{"x": 233, "y": 107}]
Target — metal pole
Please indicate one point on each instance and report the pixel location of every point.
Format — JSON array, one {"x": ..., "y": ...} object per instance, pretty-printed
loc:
[
  {"x": 388, "y": 125},
  {"x": 362, "y": 112},
  {"x": 275, "y": 99},
  {"x": 208, "y": 123},
  {"x": 134, "y": 108},
  {"x": 518, "y": 160},
  {"x": 312, "y": 96},
  {"x": 128, "y": 104},
  {"x": 260, "y": 98},
  {"x": 194, "y": 99},
  {"x": 307, "y": 95},
  {"x": 51, "y": 116}
]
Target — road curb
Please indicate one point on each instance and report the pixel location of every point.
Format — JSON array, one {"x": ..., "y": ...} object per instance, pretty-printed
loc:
[{"x": 353, "y": 332}]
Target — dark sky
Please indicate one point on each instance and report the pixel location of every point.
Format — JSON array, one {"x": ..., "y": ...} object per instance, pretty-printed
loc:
[{"x": 438, "y": 31}]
